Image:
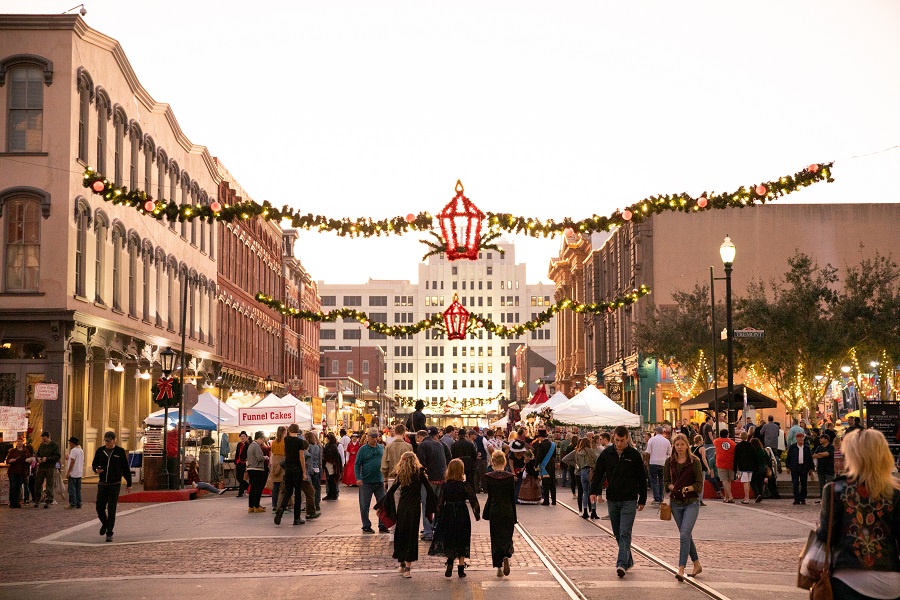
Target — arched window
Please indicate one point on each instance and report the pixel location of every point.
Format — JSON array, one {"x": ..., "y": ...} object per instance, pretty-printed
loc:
[
  {"x": 120, "y": 122},
  {"x": 172, "y": 270},
  {"x": 162, "y": 163},
  {"x": 28, "y": 74},
  {"x": 22, "y": 210},
  {"x": 192, "y": 304},
  {"x": 211, "y": 314},
  {"x": 195, "y": 193},
  {"x": 365, "y": 367},
  {"x": 147, "y": 255},
  {"x": 174, "y": 178},
  {"x": 82, "y": 223},
  {"x": 118, "y": 240},
  {"x": 103, "y": 116},
  {"x": 185, "y": 199},
  {"x": 183, "y": 281},
  {"x": 149, "y": 157},
  {"x": 160, "y": 269},
  {"x": 204, "y": 199},
  {"x": 134, "y": 251},
  {"x": 101, "y": 226},
  {"x": 85, "y": 86},
  {"x": 137, "y": 142}
]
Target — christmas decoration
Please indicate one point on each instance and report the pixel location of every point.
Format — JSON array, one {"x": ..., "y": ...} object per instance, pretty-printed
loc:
[
  {"x": 496, "y": 223},
  {"x": 456, "y": 319},
  {"x": 167, "y": 392},
  {"x": 461, "y": 226},
  {"x": 436, "y": 321}
]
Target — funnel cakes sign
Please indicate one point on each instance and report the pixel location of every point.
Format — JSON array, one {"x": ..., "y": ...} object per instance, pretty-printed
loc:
[{"x": 279, "y": 415}]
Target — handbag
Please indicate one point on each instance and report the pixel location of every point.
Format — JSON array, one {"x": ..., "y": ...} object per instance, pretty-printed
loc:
[
  {"x": 813, "y": 573},
  {"x": 665, "y": 511}
]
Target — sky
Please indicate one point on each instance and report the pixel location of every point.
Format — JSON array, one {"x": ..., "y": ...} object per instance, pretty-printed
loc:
[{"x": 542, "y": 109}]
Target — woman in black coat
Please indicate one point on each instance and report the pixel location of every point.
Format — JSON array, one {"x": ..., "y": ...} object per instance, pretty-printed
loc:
[
  {"x": 500, "y": 510},
  {"x": 453, "y": 531},
  {"x": 331, "y": 456},
  {"x": 411, "y": 480}
]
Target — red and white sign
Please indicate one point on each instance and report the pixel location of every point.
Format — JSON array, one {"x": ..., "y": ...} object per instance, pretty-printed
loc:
[
  {"x": 46, "y": 391},
  {"x": 279, "y": 415}
]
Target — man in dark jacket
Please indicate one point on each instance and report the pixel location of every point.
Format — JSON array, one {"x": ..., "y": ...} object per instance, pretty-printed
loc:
[
  {"x": 47, "y": 456},
  {"x": 745, "y": 463},
  {"x": 415, "y": 422},
  {"x": 295, "y": 478},
  {"x": 799, "y": 463},
  {"x": 626, "y": 491},
  {"x": 545, "y": 458},
  {"x": 464, "y": 449},
  {"x": 111, "y": 465},
  {"x": 432, "y": 455},
  {"x": 240, "y": 462}
]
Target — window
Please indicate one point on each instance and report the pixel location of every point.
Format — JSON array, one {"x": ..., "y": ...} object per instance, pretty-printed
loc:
[
  {"x": 118, "y": 238},
  {"x": 133, "y": 249},
  {"x": 365, "y": 367},
  {"x": 101, "y": 225},
  {"x": 329, "y": 301},
  {"x": 170, "y": 298},
  {"x": 403, "y": 301},
  {"x": 102, "y": 118},
  {"x": 119, "y": 122},
  {"x": 454, "y": 270},
  {"x": 137, "y": 142},
  {"x": 335, "y": 370},
  {"x": 349, "y": 367},
  {"x": 352, "y": 300},
  {"x": 327, "y": 334},
  {"x": 352, "y": 334},
  {"x": 25, "y": 126},
  {"x": 145, "y": 286},
  {"x": 82, "y": 222},
  {"x": 85, "y": 88},
  {"x": 377, "y": 300},
  {"x": 23, "y": 244},
  {"x": 379, "y": 317}
]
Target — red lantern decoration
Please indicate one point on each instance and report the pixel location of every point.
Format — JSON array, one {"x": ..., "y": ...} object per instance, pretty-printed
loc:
[
  {"x": 461, "y": 227},
  {"x": 456, "y": 319},
  {"x": 98, "y": 186},
  {"x": 702, "y": 201}
]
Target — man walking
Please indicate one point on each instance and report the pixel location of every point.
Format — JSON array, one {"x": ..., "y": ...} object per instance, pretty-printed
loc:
[
  {"x": 725, "y": 463},
  {"x": 17, "y": 459},
  {"x": 659, "y": 449},
  {"x": 369, "y": 479},
  {"x": 464, "y": 449},
  {"x": 111, "y": 465},
  {"x": 393, "y": 452},
  {"x": 824, "y": 456},
  {"x": 47, "y": 456},
  {"x": 431, "y": 454},
  {"x": 770, "y": 432},
  {"x": 295, "y": 478},
  {"x": 799, "y": 462},
  {"x": 793, "y": 431},
  {"x": 545, "y": 457},
  {"x": 75, "y": 471},
  {"x": 626, "y": 491}
]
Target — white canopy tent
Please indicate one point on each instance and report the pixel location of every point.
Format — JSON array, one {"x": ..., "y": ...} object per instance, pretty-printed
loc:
[
  {"x": 593, "y": 408},
  {"x": 304, "y": 413},
  {"x": 501, "y": 423},
  {"x": 555, "y": 400},
  {"x": 210, "y": 405}
]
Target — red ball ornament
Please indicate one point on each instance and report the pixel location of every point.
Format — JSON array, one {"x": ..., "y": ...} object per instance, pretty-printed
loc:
[
  {"x": 568, "y": 232},
  {"x": 812, "y": 168},
  {"x": 98, "y": 186},
  {"x": 761, "y": 190},
  {"x": 366, "y": 324},
  {"x": 410, "y": 218},
  {"x": 626, "y": 215},
  {"x": 215, "y": 205},
  {"x": 702, "y": 201},
  {"x": 149, "y": 205}
]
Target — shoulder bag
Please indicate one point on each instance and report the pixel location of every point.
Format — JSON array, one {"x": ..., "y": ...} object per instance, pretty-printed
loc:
[{"x": 814, "y": 573}]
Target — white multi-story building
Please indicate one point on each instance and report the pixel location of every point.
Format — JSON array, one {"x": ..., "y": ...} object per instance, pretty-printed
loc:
[{"x": 428, "y": 366}]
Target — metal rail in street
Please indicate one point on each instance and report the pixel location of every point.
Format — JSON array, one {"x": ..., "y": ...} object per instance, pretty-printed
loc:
[
  {"x": 568, "y": 586},
  {"x": 692, "y": 581}
]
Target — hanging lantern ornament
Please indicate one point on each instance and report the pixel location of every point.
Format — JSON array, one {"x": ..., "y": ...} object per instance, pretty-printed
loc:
[
  {"x": 461, "y": 227},
  {"x": 456, "y": 320}
]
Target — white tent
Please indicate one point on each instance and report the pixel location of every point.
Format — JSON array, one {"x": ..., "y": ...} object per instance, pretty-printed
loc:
[
  {"x": 210, "y": 405},
  {"x": 555, "y": 400},
  {"x": 304, "y": 413},
  {"x": 501, "y": 423},
  {"x": 593, "y": 408},
  {"x": 303, "y": 409}
]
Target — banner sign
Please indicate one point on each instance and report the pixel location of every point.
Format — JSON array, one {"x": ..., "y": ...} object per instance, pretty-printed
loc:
[
  {"x": 46, "y": 391},
  {"x": 13, "y": 418},
  {"x": 885, "y": 417},
  {"x": 280, "y": 415}
]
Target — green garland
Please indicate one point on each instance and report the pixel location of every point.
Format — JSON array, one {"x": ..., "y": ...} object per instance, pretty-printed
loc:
[
  {"x": 759, "y": 193},
  {"x": 436, "y": 321}
]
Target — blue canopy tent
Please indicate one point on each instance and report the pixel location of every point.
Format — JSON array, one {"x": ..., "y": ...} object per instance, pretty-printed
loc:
[{"x": 195, "y": 419}]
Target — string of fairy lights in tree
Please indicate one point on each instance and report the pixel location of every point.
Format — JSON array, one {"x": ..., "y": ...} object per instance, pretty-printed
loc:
[
  {"x": 435, "y": 322},
  {"x": 700, "y": 371},
  {"x": 158, "y": 208}
]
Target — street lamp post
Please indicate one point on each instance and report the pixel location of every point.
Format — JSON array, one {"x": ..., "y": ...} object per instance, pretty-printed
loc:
[
  {"x": 270, "y": 384},
  {"x": 727, "y": 251},
  {"x": 167, "y": 362}
]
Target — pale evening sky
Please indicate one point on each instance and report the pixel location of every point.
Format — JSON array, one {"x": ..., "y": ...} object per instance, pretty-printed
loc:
[{"x": 376, "y": 108}]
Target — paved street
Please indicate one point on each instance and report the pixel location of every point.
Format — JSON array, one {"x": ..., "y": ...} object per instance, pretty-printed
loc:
[{"x": 213, "y": 544}]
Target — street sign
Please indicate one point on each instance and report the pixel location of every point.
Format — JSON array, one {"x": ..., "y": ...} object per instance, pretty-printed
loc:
[
  {"x": 46, "y": 391},
  {"x": 750, "y": 333}
]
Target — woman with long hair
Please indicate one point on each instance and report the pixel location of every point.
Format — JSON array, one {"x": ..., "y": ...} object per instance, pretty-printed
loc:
[
  {"x": 699, "y": 453},
  {"x": 331, "y": 456},
  {"x": 500, "y": 510},
  {"x": 585, "y": 459},
  {"x": 453, "y": 531},
  {"x": 411, "y": 479},
  {"x": 276, "y": 472},
  {"x": 865, "y": 534},
  {"x": 683, "y": 478},
  {"x": 314, "y": 465},
  {"x": 762, "y": 471}
]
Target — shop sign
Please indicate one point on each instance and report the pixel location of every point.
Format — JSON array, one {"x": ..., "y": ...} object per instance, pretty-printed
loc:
[
  {"x": 885, "y": 417},
  {"x": 279, "y": 415},
  {"x": 46, "y": 391},
  {"x": 13, "y": 418}
]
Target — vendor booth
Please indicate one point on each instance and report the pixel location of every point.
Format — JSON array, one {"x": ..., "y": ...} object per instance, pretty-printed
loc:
[
  {"x": 592, "y": 408},
  {"x": 553, "y": 402}
]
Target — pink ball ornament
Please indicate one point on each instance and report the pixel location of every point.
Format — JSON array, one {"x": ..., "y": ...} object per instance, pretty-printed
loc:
[
  {"x": 812, "y": 168},
  {"x": 410, "y": 218},
  {"x": 568, "y": 232},
  {"x": 216, "y": 206},
  {"x": 98, "y": 186},
  {"x": 626, "y": 215},
  {"x": 761, "y": 190},
  {"x": 702, "y": 201},
  {"x": 149, "y": 205}
]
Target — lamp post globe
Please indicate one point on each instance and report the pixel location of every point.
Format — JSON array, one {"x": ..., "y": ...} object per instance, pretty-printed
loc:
[
  {"x": 270, "y": 383},
  {"x": 728, "y": 251},
  {"x": 167, "y": 361}
]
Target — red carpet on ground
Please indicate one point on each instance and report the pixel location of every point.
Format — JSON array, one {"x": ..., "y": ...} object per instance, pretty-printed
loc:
[{"x": 162, "y": 495}]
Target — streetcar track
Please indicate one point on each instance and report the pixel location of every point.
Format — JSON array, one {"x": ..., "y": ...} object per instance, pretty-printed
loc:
[
  {"x": 692, "y": 581},
  {"x": 568, "y": 586}
]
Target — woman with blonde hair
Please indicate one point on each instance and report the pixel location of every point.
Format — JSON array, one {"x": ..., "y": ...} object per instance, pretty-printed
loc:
[
  {"x": 276, "y": 471},
  {"x": 411, "y": 479},
  {"x": 864, "y": 504},
  {"x": 500, "y": 510},
  {"x": 683, "y": 478},
  {"x": 453, "y": 531}
]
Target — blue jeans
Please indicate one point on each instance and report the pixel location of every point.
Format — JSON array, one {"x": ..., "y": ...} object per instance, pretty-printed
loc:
[
  {"x": 656, "y": 477},
  {"x": 621, "y": 517},
  {"x": 586, "y": 491},
  {"x": 75, "y": 491},
  {"x": 685, "y": 516},
  {"x": 566, "y": 472},
  {"x": 366, "y": 490},
  {"x": 428, "y": 526}
]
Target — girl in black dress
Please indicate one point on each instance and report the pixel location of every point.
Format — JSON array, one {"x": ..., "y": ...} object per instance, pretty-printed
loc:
[
  {"x": 453, "y": 531},
  {"x": 500, "y": 510},
  {"x": 411, "y": 480}
]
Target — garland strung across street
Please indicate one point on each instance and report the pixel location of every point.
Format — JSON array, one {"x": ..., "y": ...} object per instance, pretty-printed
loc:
[
  {"x": 159, "y": 209},
  {"x": 458, "y": 327}
]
